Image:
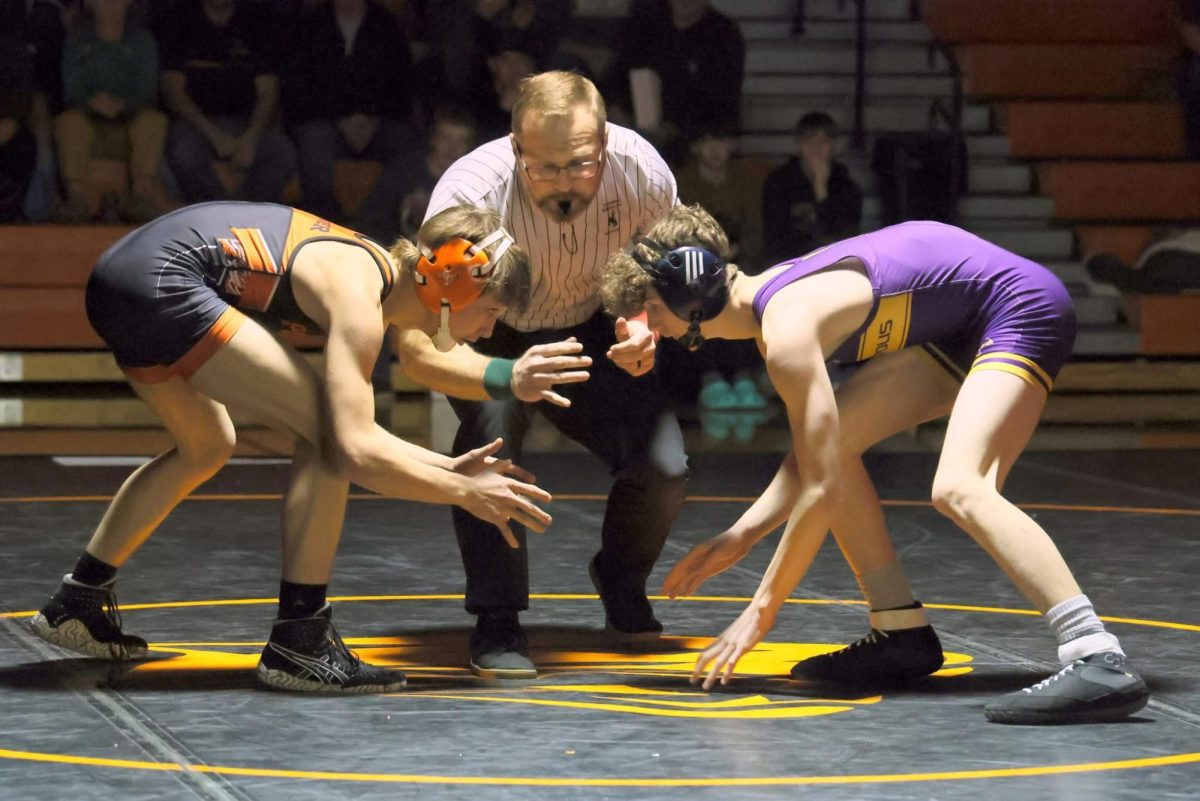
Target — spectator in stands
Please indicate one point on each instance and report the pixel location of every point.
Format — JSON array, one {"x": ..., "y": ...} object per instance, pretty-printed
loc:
[
  {"x": 1189, "y": 84},
  {"x": 466, "y": 33},
  {"x": 110, "y": 87},
  {"x": 699, "y": 55},
  {"x": 31, "y": 89},
  {"x": 507, "y": 67},
  {"x": 347, "y": 93},
  {"x": 220, "y": 81},
  {"x": 1168, "y": 266},
  {"x": 398, "y": 203},
  {"x": 810, "y": 200},
  {"x": 406, "y": 184},
  {"x": 730, "y": 372},
  {"x": 18, "y": 148}
]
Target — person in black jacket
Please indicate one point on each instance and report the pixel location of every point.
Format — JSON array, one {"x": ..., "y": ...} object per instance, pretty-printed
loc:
[
  {"x": 700, "y": 56},
  {"x": 348, "y": 93},
  {"x": 810, "y": 200}
]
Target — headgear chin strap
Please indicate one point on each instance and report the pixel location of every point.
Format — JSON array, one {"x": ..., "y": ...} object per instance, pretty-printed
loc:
[
  {"x": 692, "y": 282},
  {"x": 452, "y": 277}
]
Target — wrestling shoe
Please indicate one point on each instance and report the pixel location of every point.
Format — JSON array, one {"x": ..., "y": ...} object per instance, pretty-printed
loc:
[
  {"x": 628, "y": 616},
  {"x": 499, "y": 648},
  {"x": 308, "y": 655},
  {"x": 86, "y": 620},
  {"x": 879, "y": 658},
  {"x": 1098, "y": 688}
]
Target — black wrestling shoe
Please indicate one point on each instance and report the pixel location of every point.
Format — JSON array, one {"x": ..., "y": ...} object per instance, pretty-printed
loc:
[
  {"x": 499, "y": 648},
  {"x": 1098, "y": 688},
  {"x": 628, "y": 616},
  {"x": 308, "y": 655},
  {"x": 881, "y": 657},
  {"x": 86, "y": 620}
]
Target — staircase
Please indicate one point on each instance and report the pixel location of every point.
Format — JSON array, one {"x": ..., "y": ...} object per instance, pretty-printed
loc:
[{"x": 907, "y": 73}]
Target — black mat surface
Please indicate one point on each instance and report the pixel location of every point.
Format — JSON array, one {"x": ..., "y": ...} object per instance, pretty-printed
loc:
[{"x": 598, "y": 723}]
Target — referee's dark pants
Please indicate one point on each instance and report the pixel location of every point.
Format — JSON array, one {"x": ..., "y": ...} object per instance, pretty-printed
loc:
[{"x": 626, "y": 421}]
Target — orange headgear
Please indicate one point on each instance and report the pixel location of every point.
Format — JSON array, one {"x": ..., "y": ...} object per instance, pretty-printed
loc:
[
  {"x": 452, "y": 277},
  {"x": 456, "y": 273}
]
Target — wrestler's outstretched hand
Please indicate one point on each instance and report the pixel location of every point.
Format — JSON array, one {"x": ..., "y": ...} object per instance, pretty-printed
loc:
[
  {"x": 717, "y": 661},
  {"x": 703, "y": 562},
  {"x": 472, "y": 463}
]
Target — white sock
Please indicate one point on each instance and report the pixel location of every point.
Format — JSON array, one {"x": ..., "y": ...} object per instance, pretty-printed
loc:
[{"x": 1079, "y": 631}]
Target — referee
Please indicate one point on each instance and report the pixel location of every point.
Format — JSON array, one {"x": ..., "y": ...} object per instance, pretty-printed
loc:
[{"x": 572, "y": 189}]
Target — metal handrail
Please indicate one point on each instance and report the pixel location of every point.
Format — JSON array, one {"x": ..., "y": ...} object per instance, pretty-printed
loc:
[{"x": 859, "y": 135}]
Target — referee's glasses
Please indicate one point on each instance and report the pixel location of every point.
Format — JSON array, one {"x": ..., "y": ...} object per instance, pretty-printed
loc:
[{"x": 547, "y": 172}]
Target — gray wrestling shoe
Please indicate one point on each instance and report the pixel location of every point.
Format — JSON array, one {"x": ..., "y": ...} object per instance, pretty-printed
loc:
[
  {"x": 86, "y": 620},
  {"x": 1098, "y": 688}
]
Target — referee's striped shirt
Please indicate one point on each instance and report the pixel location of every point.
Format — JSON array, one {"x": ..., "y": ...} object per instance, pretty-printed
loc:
[{"x": 567, "y": 259}]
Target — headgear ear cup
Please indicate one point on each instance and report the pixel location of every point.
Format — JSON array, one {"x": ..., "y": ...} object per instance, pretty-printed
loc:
[
  {"x": 692, "y": 282},
  {"x": 452, "y": 277}
]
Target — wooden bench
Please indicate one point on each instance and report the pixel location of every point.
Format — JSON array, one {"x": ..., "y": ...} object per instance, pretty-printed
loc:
[
  {"x": 1111, "y": 21},
  {"x": 1130, "y": 191},
  {"x": 44, "y": 333},
  {"x": 1094, "y": 129},
  {"x": 1030, "y": 71}
]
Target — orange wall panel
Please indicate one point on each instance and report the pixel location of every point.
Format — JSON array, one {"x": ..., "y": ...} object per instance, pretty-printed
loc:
[
  {"x": 1129, "y": 21},
  {"x": 1082, "y": 130}
]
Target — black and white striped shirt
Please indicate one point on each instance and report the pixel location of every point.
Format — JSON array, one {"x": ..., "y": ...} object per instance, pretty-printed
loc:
[{"x": 566, "y": 259}]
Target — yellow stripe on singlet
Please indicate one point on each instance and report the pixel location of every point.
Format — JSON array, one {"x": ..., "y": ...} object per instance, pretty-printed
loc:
[
  {"x": 888, "y": 329},
  {"x": 1043, "y": 377}
]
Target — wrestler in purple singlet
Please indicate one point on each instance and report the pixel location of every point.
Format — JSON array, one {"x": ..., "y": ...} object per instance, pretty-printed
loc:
[{"x": 970, "y": 304}]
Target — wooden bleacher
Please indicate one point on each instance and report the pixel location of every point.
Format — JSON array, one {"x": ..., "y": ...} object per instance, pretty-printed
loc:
[{"x": 1084, "y": 90}]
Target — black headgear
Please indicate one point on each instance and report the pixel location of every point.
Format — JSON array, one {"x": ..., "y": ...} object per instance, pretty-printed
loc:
[{"x": 691, "y": 281}]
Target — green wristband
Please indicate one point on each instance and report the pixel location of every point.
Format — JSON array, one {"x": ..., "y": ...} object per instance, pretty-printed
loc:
[{"x": 497, "y": 379}]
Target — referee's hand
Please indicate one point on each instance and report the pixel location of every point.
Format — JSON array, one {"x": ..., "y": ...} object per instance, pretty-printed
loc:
[
  {"x": 543, "y": 366},
  {"x": 634, "y": 350}
]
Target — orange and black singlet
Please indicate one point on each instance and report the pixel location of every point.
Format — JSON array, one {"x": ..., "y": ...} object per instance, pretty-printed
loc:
[{"x": 169, "y": 294}]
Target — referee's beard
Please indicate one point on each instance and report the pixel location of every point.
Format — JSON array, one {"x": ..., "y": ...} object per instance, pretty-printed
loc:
[{"x": 564, "y": 207}]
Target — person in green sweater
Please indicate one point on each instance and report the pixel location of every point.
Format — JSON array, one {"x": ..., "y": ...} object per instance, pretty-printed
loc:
[{"x": 110, "y": 79}]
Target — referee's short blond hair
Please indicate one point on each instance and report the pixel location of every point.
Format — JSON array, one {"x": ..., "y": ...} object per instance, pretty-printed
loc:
[{"x": 556, "y": 94}]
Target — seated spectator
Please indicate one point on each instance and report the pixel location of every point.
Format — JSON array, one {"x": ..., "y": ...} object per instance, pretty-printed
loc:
[
  {"x": 1168, "y": 266},
  {"x": 1189, "y": 79},
  {"x": 347, "y": 93},
  {"x": 507, "y": 67},
  {"x": 30, "y": 92},
  {"x": 810, "y": 200},
  {"x": 221, "y": 83},
  {"x": 398, "y": 204},
  {"x": 18, "y": 148},
  {"x": 726, "y": 188},
  {"x": 700, "y": 58},
  {"x": 730, "y": 371},
  {"x": 466, "y": 33},
  {"x": 110, "y": 85}
]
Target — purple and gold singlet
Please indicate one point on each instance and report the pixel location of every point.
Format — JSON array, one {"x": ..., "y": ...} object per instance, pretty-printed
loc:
[
  {"x": 169, "y": 294},
  {"x": 970, "y": 304}
]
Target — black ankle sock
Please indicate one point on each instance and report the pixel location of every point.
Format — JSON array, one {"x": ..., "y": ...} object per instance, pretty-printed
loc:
[
  {"x": 913, "y": 605},
  {"x": 300, "y": 600},
  {"x": 91, "y": 571}
]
